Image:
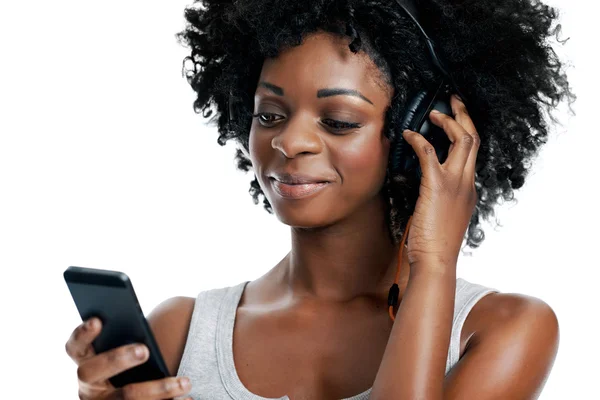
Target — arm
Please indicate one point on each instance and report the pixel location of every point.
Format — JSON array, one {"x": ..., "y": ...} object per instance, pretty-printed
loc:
[
  {"x": 509, "y": 360},
  {"x": 170, "y": 323},
  {"x": 414, "y": 362},
  {"x": 510, "y": 357}
]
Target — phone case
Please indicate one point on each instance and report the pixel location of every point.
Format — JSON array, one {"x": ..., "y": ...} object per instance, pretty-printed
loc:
[{"x": 109, "y": 295}]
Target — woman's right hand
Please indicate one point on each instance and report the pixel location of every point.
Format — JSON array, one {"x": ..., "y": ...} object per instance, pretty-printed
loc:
[{"x": 94, "y": 369}]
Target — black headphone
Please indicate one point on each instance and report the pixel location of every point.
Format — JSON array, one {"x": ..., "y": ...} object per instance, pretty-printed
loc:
[{"x": 403, "y": 159}]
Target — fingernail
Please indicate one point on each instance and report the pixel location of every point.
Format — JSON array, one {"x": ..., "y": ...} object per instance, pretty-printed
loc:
[
  {"x": 90, "y": 323},
  {"x": 435, "y": 112},
  {"x": 140, "y": 352},
  {"x": 184, "y": 382}
]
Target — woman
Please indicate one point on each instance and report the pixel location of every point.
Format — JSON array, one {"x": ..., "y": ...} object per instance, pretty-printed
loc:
[{"x": 314, "y": 93}]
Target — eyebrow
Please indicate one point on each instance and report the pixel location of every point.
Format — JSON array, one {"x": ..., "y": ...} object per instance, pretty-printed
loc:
[{"x": 320, "y": 93}]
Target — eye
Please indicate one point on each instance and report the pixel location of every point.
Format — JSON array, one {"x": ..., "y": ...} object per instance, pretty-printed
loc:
[
  {"x": 340, "y": 125},
  {"x": 267, "y": 119}
]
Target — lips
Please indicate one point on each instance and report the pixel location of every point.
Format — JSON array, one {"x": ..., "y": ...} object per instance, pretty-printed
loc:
[
  {"x": 297, "y": 191},
  {"x": 297, "y": 179},
  {"x": 296, "y": 186}
]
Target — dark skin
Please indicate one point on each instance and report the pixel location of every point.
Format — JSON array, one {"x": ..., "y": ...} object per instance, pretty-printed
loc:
[{"x": 324, "y": 305}]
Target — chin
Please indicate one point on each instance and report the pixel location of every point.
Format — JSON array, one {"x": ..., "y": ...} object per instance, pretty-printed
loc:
[
  {"x": 316, "y": 212},
  {"x": 309, "y": 219},
  {"x": 315, "y": 215}
]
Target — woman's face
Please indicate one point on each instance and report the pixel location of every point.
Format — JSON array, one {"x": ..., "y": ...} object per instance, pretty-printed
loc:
[{"x": 317, "y": 145}]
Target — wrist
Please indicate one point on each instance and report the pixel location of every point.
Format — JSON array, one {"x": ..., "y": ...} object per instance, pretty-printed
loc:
[{"x": 434, "y": 265}]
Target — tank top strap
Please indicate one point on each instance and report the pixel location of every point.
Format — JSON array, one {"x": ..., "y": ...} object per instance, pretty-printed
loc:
[{"x": 467, "y": 295}]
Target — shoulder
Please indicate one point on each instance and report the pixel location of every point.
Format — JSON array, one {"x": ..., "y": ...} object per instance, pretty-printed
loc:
[
  {"x": 170, "y": 323},
  {"x": 511, "y": 335},
  {"x": 502, "y": 313},
  {"x": 496, "y": 311}
]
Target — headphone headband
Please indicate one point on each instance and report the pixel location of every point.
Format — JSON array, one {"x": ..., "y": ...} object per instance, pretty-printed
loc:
[{"x": 410, "y": 8}]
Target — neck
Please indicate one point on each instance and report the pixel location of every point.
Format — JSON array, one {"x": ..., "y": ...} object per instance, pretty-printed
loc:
[{"x": 352, "y": 258}]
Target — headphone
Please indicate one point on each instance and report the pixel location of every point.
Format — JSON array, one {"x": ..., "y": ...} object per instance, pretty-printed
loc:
[{"x": 403, "y": 159}]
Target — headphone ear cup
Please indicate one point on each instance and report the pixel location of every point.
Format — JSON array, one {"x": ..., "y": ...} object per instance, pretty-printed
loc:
[
  {"x": 404, "y": 160},
  {"x": 436, "y": 135}
]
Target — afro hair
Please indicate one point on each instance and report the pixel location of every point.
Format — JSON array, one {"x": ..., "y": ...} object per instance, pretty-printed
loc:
[{"x": 498, "y": 53}]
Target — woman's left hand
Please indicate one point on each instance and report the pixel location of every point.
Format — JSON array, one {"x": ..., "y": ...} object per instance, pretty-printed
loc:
[{"x": 447, "y": 195}]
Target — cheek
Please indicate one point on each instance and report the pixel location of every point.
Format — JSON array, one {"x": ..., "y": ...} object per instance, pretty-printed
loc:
[
  {"x": 260, "y": 153},
  {"x": 256, "y": 148},
  {"x": 362, "y": 163},
  {"x": 252, "y": 148}
]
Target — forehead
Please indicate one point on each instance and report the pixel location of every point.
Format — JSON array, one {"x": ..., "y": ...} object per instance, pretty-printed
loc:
[{"x": 323, "y": 60}]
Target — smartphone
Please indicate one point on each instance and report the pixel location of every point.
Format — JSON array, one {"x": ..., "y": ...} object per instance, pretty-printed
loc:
[{"x": 109, "y": 295}]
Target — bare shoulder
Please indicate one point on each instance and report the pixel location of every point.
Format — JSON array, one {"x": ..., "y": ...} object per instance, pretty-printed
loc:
[
  {"x": 511, "y": 335},
  {"x": 494, "y": 311},
  {"x": 170, "y": 323}
]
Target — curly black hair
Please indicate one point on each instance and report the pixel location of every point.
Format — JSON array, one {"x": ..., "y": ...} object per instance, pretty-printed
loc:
[{"x": 497, "y": 51}]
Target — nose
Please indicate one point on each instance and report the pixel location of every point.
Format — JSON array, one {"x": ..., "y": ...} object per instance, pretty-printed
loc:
[{"x": 298, "y": 136}]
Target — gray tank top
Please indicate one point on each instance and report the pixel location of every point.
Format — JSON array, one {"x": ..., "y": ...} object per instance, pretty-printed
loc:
[{"x": 208, "y": 354}]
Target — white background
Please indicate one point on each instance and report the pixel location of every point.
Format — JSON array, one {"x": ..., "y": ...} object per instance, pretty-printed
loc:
[{"x": 104, "y": 164}]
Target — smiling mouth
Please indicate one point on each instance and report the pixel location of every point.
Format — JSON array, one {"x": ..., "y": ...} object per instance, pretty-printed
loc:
[{"x": 296, "y": 190}]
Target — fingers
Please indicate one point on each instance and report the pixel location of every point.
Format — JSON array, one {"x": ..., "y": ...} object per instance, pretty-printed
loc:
[
  {"x": 425, "y": 152},
  {"x": 166, "y": 388},
  {"x": 461, "y": 140},
  {"x": 461, "y": 115},
  {"x": 95, "y": 369},
  {"x": 79, "y": 346},
  {"x": 112, "y": 362},
  {"x": 462, "y": 133}
]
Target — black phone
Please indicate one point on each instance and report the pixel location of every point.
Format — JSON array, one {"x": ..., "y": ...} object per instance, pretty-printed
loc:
[{"x": 109, "y": 295}]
